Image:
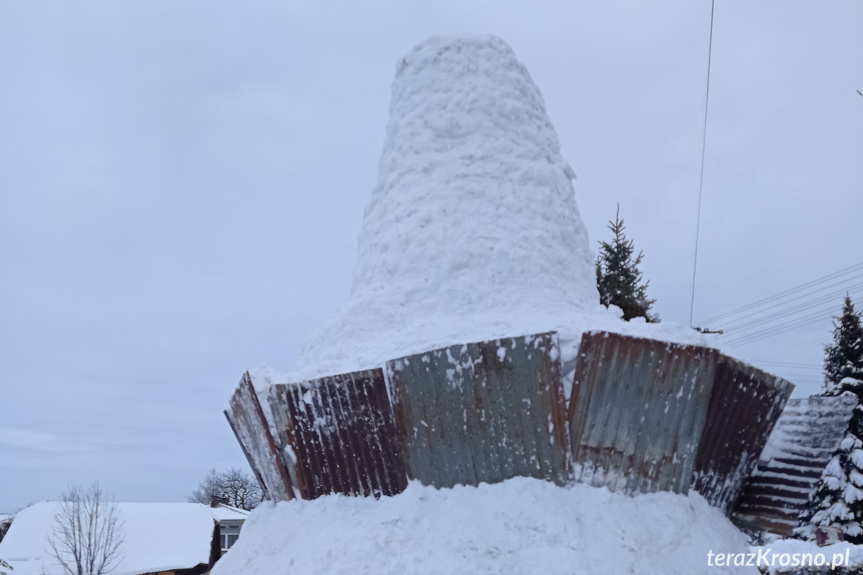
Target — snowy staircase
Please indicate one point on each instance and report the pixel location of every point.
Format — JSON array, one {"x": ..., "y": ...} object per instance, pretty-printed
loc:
[{"x": 805, "y": 439}]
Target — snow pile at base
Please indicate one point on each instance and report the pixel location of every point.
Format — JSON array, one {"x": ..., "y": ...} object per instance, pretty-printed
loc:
[
  {"x": 472, "y": 231},
  {"x": 522, "y": 526},
  {"x": 156, "y": 537}
]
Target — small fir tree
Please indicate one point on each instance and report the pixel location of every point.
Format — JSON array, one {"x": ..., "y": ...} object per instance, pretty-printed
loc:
[
  {"x": 618, "y": 278},
  {"x": 838, "y": 497}
]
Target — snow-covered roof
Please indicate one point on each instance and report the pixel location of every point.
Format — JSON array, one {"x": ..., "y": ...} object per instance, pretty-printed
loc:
[
  {"x": 227, "y": 513},
  {"x": 157, "y": 537}
]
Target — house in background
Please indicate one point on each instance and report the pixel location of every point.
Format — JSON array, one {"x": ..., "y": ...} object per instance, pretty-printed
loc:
[
  {"x": 158, "y": 538},
  {"x": 230, "y": 521}
]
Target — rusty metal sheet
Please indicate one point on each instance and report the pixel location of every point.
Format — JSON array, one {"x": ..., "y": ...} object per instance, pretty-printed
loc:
[
  {"x": 482, "y": 412},
  {"x": 339, "y": 431},
  {"x": 745, "y": 404},
  {"x": 252, "y": 431},
  {"x": 637, "y": 411},
  {"x": 801, "y": 445}
]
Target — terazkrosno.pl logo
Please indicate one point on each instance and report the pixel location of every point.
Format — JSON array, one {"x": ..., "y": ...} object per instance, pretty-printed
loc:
[{"x": 769, "y": 558}]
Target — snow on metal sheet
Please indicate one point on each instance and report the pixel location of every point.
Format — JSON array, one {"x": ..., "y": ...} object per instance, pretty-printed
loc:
[
  {"x": 745, "y": 404},
  {"x": 339, "y": 431},
  {"x": 637, "y": 412},
  {"x": 252, "y": 431},
  {"x": 482, "y": 412},
  {"x": 804, "y": 440}
]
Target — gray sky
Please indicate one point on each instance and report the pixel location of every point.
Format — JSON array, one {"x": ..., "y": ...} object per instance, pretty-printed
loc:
[{"x": 182, "y": 185}]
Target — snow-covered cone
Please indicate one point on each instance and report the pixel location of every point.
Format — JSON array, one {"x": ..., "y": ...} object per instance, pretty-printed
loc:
[{"x": 472, "y": 231}]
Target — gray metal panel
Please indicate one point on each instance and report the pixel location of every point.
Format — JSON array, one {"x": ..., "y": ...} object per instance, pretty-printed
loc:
[
  {"x": 252, "y": 431},
  {"x": 637, "y": 411},
  {"x": 803, "y": 442},
  {"x": 340, "y": 432},
  {"x": 482, "y": 412},
  {"x": 745, "y": 405}
]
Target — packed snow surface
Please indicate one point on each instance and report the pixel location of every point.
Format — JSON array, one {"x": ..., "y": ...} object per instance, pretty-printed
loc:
[
  {"x": 156, "y": 537},
  {"x": 521, "y": 526},
  {"x": 472, "y": 231}
]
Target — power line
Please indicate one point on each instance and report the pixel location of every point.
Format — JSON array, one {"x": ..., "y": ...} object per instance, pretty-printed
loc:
[
  {"x": 787, "y": 364},
  {"x": 701, "y": 178},
  {"x": 781, "y": 363},
  {"x": 775, "y": 330},
  {"x": 744, "y": 324},
  {"x": 787, "y": 292},
  {"x": 790, "y": 315}
]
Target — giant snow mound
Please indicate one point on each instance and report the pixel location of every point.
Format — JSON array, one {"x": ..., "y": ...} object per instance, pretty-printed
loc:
[{"x": 472, "y": 231}]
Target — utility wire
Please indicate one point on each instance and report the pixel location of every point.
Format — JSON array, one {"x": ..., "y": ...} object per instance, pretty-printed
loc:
[
  {"x": 791, "y": 291},
  {"x": 746, "y": 323},
  {"x": 701, "y": 178},
  {"x": 794, "y": 323},
  {"x": 783, "y": 363},
  {"x": 792, "y": 320},
  {"x": 781, "y": 328}
]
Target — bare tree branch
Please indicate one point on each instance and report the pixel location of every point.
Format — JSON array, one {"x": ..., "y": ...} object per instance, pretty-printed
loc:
[
  {"x": 234, "y": 486},
  {"x": 87, "y": 533}
]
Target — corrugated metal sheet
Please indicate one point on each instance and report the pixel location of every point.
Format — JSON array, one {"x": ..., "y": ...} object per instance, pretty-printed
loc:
[
  {"x": 807, "y": 435},
  {"x": 341, "y": 435},
  {"x": 482, "y": 412},
  {"x": 250, "y": 427},
  {"x": 637, "y": 411},
  {"x": 745, "y": 404}
]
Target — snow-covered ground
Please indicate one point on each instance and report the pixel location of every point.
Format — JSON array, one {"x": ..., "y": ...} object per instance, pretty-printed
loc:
[{"x": 521, "y": 526}]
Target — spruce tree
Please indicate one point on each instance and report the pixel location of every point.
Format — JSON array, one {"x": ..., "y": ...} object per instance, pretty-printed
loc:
[
  {"x": 618, "y": 278},
  {"x": 838, "y": 497},
  {"x": 844, "y": 358}
]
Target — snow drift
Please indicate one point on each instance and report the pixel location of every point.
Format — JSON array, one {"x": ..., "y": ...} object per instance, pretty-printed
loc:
[{"x": 521, "y": 526}]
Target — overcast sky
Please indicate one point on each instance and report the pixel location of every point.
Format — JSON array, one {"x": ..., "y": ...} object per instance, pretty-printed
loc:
[{"x": 182, "y": 185}]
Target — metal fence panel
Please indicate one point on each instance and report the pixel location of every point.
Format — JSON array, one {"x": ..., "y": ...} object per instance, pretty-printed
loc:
[
  {"x": 341, "y": 435},
  {"x": 803, "y": 442},
  {"x": 637, "y": 411},
  {"x": 252, "y": 431},
  {"x": 745, "y": 404},
  {"x": 482, "y": 412}
]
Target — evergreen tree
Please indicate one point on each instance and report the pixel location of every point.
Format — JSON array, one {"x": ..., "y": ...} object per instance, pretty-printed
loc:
[
  {"x": 618, "y": 278},
  {"x": 838, "y": 497},
  {"x": 844, "y": 358}
]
